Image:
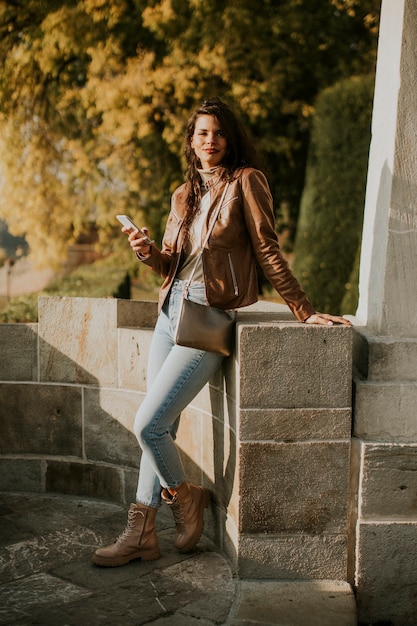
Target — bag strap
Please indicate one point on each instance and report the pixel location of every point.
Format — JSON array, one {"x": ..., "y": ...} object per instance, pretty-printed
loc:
[{"x": 203, "y": 245}]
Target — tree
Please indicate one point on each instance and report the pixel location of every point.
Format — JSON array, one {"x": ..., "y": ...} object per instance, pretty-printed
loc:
[
  {"x": 94, "y": 95},
  {"x": 331, "y": 216}
]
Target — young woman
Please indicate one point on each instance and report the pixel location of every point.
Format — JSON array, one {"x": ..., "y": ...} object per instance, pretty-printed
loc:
[{"x": 218, "y": 152}]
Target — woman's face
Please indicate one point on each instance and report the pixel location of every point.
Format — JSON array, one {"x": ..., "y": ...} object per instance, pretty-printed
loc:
[{"x": 209, "y": 141}]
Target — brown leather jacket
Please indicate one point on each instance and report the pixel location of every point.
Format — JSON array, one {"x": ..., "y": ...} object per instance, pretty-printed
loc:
[{"x": 244, "y": 231}]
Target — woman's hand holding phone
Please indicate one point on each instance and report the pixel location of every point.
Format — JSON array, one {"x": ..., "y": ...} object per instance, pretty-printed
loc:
[{"x": 139, "y": 239}]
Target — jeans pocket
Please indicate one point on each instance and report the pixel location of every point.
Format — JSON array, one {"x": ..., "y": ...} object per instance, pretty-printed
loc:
[{"x": 197, "y": 293}]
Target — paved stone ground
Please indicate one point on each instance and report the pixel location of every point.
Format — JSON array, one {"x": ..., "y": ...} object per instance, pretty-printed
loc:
[{"x": 47, "y": 578}]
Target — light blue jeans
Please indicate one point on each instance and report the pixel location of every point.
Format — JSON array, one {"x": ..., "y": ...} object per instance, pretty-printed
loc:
[{"x": 175, "y": 376}]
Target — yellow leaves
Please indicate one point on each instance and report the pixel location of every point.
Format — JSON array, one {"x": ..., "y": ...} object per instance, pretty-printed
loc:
[
  {"x": 103, "y": 10},
  {"x": 371, "y": 21},
  {"x": 120, "y": 99},
  {"x": 38, "y": 197},
  {"x": 158, "y": 16},
  {"x": 349, "y": 6},
  {"x": 58, "y": 40},
  {"x": 105, "y": 59},
  {"x": 96, "y": 94},
  {"x": 213, "y": 60}
]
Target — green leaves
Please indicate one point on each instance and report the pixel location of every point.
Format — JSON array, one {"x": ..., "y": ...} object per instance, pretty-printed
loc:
[{"x": 331, "y": 216}]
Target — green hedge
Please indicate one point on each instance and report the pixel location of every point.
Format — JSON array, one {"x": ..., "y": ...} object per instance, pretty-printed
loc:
[{"x": 331, "y": 213}]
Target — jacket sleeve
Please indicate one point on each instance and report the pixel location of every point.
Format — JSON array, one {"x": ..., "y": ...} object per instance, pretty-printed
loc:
[
  {"x": 260, "y": 222},
  {"x": 161, "y": 260}
]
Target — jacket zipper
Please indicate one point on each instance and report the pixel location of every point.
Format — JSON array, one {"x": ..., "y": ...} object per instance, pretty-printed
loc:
[{"x": 234, "y": 279}]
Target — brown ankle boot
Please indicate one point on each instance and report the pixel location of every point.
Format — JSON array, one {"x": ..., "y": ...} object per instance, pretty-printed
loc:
[
  {"x": 188, "y": 506},
  {"x": 138, "y": 540}
]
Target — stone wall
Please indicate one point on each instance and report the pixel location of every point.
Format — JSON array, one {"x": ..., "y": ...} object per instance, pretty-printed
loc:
[
  {"x": 385, "y": 424},
  {"x": 270, "y": 434},
  {"x": 384, "y": 475}
]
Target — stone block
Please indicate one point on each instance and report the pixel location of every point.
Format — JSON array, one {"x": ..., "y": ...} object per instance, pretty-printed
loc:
[
  {"x": 136, "y": 314},
  {"x": 102, "y": 482},
  {"x": 40, "y": 419},
  {"x": 303, "y": 603},
  {"x": 292, "y": 557},
  {"x": 294, "y": 424},
  {"x": 392, "y": 359},
  {"x": 386, "y": 583},
  {"x": 130, "y": 482},
  {"x": 21, "y": 475},
  {"x": 389, "y": 482},
  {"x": 133, "y": 358},
  {"x": 294, "y": 487},
  {"x": 376, "y": 406},
  {"x": 108, "y": 426},
  {"x": 19, "y": 352},
  {"x": 294, "y": 365},
  {"x": 78, "y": 340},
  {"x": 385, "y": 358},
  {"x": 265, "y": 311}
]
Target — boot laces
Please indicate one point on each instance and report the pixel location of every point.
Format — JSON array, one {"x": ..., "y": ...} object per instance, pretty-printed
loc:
[{"x": 130, "y": 527}]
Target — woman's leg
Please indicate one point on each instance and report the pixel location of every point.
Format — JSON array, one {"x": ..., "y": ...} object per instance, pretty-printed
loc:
[
  {"x": 149, "y": 487},
  {"x": 176, "y": 375},
  {"x": 183, "y": 374}
]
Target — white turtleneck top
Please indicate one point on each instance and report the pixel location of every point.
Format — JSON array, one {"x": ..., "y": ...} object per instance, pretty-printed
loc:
[{"x": 195, "y": 236}]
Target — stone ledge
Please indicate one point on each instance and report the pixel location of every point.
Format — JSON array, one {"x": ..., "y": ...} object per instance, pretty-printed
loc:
[
  {"x": 136, "y": 314},
  {"x": 143, "y": 314},
  {"x": 292, "y": 557},
  {"x": 384, "y": 358},
  {"x": 304, "y": 603},
  {"x": 68, "y": 476},
  {"x": 288, "y": 425},
  {"x": 375, "y": 405}
]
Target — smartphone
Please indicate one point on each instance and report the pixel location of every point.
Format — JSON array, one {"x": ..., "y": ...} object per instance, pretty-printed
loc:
[{"x": 128, "y": 223}]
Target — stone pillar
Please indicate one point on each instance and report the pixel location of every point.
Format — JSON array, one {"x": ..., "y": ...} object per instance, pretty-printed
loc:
[
  {"x": 388, "y": 277},
  {"x": 385, "y": 425}
]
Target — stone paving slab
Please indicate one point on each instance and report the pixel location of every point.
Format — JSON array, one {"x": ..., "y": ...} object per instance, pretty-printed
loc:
[{"x": 47, "y": 578}]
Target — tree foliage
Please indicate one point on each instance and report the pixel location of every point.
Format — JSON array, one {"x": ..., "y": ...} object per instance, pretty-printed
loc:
[
  {"x": 94, "y": 96},
  {"x": 331, "y": 215}
]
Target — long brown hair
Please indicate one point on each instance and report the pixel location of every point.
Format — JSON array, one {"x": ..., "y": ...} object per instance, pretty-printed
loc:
[{"x": 240, "y": 152}]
